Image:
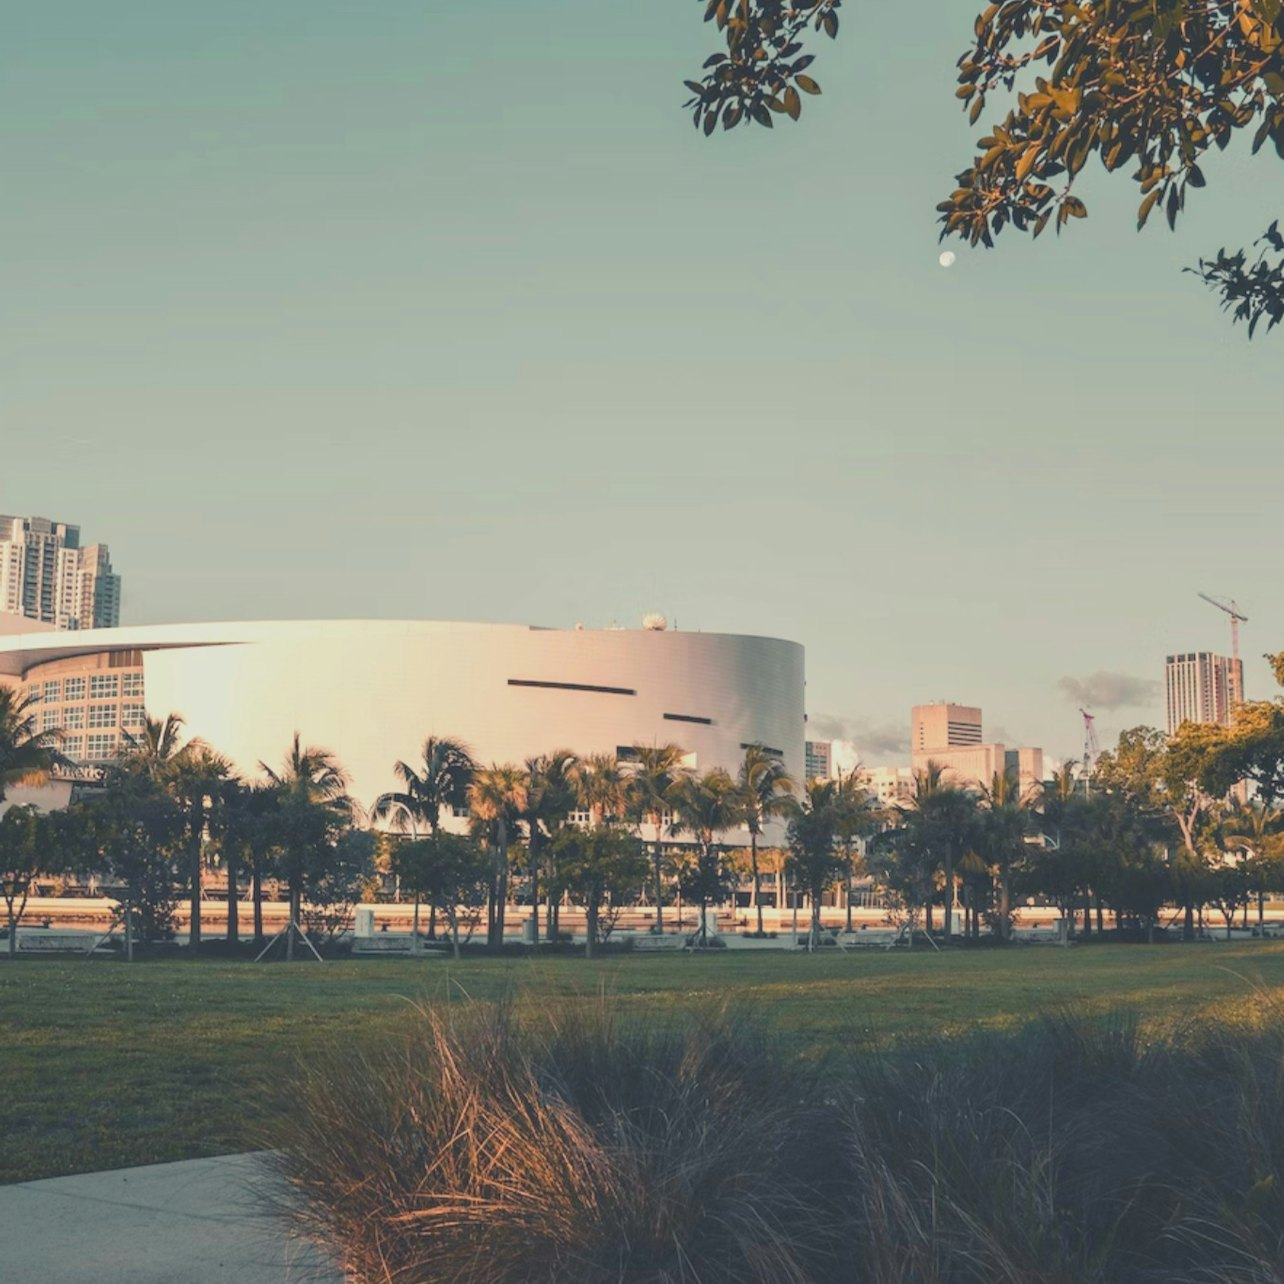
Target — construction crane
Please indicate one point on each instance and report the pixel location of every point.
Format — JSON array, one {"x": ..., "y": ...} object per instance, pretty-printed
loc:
[
  {"x": 1236, "y": 617},
  {"x": 1091, "y": 746}
]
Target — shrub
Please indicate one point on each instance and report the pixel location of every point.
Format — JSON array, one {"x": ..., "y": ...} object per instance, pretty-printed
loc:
[{"x": 590, "y": 1145}]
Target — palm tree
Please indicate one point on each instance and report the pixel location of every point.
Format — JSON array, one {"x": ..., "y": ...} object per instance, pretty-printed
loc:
[
  {"x": 27, "y": 755},
  {"x": 652, "y": 774},
  {"x": 312, "y": 798},
  {"x": 1005, "y": 822},
  {"x": 1258, "y": 830},
  {"x": 707, "y": 806},
  {"x": 496, "y": 797},
  {"x": 153, "y": 750},
  {"x": 940, "y": 825},
  {"x": 766, "y": 790},
  {"x": 856, "y": 816},
  {"x": 814, "y": 858},
  {"x": 550, "y": 799},
  {"x": 447, "y": 772},
  {"x": 196, "y": 776}
]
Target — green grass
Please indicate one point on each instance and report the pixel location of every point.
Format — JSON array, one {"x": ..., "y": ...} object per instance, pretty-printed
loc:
[{"x": 107, "y": 1065}]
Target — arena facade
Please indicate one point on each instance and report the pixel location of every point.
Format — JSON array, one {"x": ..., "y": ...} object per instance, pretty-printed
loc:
[{"x": 373, "y": 690}]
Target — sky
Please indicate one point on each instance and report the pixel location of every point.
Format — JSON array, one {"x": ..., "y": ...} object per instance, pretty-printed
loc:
[{"x": 333, "y": 309}]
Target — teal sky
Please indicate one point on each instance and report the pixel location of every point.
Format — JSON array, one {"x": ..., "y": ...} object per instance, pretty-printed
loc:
[{"x": 397, "y": 309}]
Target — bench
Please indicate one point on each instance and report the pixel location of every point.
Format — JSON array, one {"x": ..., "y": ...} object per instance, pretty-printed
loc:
[
  {"x": 41, "y": 942},
  {"x": 651, "y": 941}
]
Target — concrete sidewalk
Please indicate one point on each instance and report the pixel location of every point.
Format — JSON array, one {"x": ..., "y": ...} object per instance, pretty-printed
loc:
[{"x": 202, "y": 1221}]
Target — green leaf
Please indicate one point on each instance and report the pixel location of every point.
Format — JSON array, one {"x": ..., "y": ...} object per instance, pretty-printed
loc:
[
  {"x": 793, "y": 103},
  {"x": 807, "y": 84}
]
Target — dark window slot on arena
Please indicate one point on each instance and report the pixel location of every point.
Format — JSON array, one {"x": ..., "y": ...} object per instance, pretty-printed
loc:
[
  {"x": 775, "y": 753},
  {"x": 688, "y": 717},
  {"x": 571, "y": 686}
]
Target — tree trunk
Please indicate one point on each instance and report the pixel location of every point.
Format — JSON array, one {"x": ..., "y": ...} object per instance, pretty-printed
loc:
[
  {"x": 13, "y": 934},
  {"x": 1101, "y": 917},
  {"x": 813, "y": 936},
  {"x": 414, "y": 925},
  {"x": 296, "y": 902},
  {"x": 847, "y": 891},
  {"x": 1005, "y": 907},
  {"x": 496, "y": 940},
  {"x": 659, "y": 883},
  {"x": 453, "y": 915},
  {"x": 927, "y": 920},
  {"x": 590, "y": 927},
  {"x": 233, "y": 879},
  {"x": 197, "y": 823},
  {"x": 757, "y": 885},
  {"x": 949, "y": 895},
  {"x": 256, "y": 892},
  {"x": 1188, "y": 928},
  {"x": 534, "y": 850},
  {"x": 129, "y": 932},
  {"x": 1087, "y": 914}
]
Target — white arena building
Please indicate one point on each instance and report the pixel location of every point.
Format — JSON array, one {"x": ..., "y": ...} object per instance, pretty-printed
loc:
[{"x": 373, "y": 690}]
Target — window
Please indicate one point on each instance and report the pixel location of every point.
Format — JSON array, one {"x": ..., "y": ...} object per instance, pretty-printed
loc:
[
  {"x": 100, "y": 748},
  {"x": 32, "y": 692},
  {"x": 48, "y": 720},
  {"x": 73, "y": 746},
  {"x": 74, "y": 718},
  {"x": 73, "y": 689},
  {"x": 52, "y": 691},
  {"x": 102, "y": 684},
  {"x": 579, "y": 818},
  {"x": 688, "y": 717},
  {"x": 131, "y": 715},
  {"x": 571, "y": 686},
  {"x": 102, "y": 715},
  {"x": 131, "y": 684}
]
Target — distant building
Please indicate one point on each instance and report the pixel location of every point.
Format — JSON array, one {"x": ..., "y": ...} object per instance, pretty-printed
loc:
[
  {"x": 889, "y": 786},
  {"x": 46, "y": 575},
  {"x": 819, "y": 759},
  {"x": 951, "y": 735},
  {"x": 944, "y": 726},
  {"x": 1202, "y": 687}
]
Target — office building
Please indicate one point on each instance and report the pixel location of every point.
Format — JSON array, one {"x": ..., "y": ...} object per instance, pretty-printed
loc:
[
  {"x": 889, "y": 786},
  {"x": 1202, "y": 687},
  {"x": 819, "y": 759},
  {"x": 950, "y": 735},
  {"x": 46, "y": 575}
]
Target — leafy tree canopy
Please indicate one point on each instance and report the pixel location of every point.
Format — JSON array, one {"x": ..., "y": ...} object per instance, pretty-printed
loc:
[{"x": 1149, "y": 85}]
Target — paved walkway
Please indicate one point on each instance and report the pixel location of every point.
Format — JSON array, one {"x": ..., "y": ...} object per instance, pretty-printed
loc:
[{"x": 202, "y": 1221}]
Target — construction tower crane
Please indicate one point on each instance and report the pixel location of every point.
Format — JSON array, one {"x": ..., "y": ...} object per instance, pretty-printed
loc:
[
  {"x": 1091, "y": 746},
  {"x": 1236, "y": 617}
]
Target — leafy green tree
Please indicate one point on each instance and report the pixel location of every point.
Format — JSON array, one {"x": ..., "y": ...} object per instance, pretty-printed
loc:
[
  {"x": 344, "y": 878},
  {"x": 706, "y": 806},
  {"x": 1252, "y": 747},
  {"x": 652, "y": 774},
  {"x": 312, "y": 809},
  {"x": 1145, "y": 85},
  {"x": 496, "y": 798},
  {"x": 27, "y": 755},
  {"x": 197, "y": 778},
  {"x": 764, "y": 66},
  {"x": 596, "y": 866},
  {"x": 133, "y": 831},
  {"x": 858, "y": 816},
  {"x": 766, "y": 792},
  {"x": 1255, "y": 833},
  {"x": 155, "y": 748},
  {"x": 21, "y": 856}
]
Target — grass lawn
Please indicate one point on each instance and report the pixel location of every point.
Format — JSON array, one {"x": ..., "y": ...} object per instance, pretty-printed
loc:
[{"x": 107, "y": 1065}]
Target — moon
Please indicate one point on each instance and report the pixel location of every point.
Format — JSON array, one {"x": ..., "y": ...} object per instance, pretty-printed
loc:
[{"x": 946, "y": 259}]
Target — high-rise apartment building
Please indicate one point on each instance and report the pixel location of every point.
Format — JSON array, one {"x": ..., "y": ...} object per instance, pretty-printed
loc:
[
  {"x": 1202, "y": 687},
  {"x": 818, "y": 759},
  {"x": 46, "y": 575}
]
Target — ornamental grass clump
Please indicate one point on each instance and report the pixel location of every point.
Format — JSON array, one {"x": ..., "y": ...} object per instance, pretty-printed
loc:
[
  {"x": 591, "y": 1143},
  {"x": 582, "y": 1146}
]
